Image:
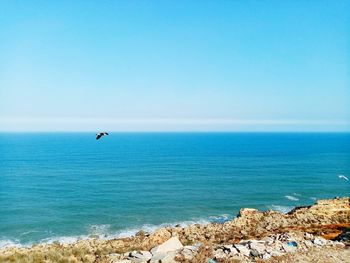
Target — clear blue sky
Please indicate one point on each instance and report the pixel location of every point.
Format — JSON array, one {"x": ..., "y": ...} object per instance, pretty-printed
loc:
[{"x": 175, "y": 65}]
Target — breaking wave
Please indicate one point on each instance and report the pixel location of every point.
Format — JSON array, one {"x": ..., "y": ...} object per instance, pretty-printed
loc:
[
  {"x": 292, "y": 198},
  {"x": 281, "y": 208},
  {"x": 104, "y": 232}
]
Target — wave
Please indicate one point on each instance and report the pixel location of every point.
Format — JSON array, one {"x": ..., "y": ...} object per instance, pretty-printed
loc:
[
  {"x": 281, "y": 208},
  {"x": 292, "y": 198},
  {"x": 221, "y": 218},
  {"x": 9, "y": 243},
  {"x": 104, "y": 232}
]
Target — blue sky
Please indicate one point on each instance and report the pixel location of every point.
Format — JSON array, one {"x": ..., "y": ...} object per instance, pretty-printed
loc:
[{"x": 175, "y": 65}]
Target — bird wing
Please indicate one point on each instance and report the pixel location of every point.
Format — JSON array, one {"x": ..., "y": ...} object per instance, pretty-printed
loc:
[
  {"x": 106, "y": 133},
  {"x": 98, "y": 136}
]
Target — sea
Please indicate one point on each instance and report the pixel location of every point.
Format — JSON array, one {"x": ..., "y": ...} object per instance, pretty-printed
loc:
[{"x": 68, "y": 186}]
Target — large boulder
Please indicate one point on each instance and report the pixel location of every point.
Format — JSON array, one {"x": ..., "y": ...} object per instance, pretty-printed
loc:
[{"x": 172, "y": 244}]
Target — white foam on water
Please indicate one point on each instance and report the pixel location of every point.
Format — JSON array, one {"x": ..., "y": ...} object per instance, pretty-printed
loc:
[
  {"x": 99, "y": 230},
  {"x": 281, "y": 208},
  {"x": 62, "y": 239},
  {"x": 5, "y": 243},
  {"x": 102, "y": 232},
  {"x": 296, "y": 194},
  {"x": 313, "y": 198},
  {"x": 220, "y": 218},
  {"x": 292, "y": 198}
]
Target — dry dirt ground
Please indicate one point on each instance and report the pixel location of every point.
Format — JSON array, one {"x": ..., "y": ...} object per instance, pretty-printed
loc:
[{"x": 316, "y": 255}]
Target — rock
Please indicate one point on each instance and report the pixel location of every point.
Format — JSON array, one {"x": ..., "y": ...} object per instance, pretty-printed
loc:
[
  {"x": 288, "y": 249},
  {"x": 169, "y": 258},
  {"x": 159, "y": 236},
  {"x": 308, "y": 236},
  {"x": 142, "y": 255},
  {"x": 192, "y": 248},
  {"x": 157, "y": 257},
  {"x": 308, "y": 243},
  {"x": 242, "y": 250},
  {"x": 172, "y": 244},
  {"x": 230, "y": 250},
  {"x": 319, "y": 241},
  {"x": 338, "y": 244},
  {"x": 258, "y": 246},
  {"x": 266, "y": 256},
  {"x": 219, "y": 254},
  {"x": 141, "y": 233},
  {"x": 276, "y": 253},
  {"x": 254, "y": 253},
  {"x": 187, "y": 253}
]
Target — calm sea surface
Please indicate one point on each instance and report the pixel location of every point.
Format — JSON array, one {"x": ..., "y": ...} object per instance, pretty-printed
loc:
[{"x": 61, "y": 186}]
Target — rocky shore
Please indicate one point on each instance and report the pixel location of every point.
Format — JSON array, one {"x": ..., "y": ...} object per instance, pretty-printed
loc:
[{"x": 317, "y": 233}]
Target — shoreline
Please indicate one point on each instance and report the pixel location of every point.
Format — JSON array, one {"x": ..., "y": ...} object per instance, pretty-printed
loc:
[
  {"x": 131, "y": 231},
  {"x": 326, "y": 219}
]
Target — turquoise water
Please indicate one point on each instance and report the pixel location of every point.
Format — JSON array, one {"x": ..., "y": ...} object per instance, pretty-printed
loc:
[{"x": 61, "y": 186}]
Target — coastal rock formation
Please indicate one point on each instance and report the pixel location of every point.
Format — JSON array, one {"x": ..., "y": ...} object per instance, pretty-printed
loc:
[{"x": 254, "y": 234}]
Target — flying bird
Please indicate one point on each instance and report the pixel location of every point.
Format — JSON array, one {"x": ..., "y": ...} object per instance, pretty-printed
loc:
[
  {"x": 99, "y": 135},
  {"x": 343, "y": 177}
]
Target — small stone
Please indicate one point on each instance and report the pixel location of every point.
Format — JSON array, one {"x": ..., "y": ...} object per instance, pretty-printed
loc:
[
  {"x": 308, "y": 243},
  {"x": 308, "y": 236},
  {"x": 266, "y": 256},
  {"x": 319, "y": 241},
  {"x": 141, "y": 233},
  {"x": 288, "y": 248},
  {"x": 276, "y": 253},
  {"x": 192, "y": 248},
  {"x": 254, "y": 253},
  {"x": 338, "y": 244},
  {"x": 187, "y": 253}
]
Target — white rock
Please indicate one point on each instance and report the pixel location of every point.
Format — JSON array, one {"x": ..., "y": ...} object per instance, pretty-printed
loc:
[
  {"x": 158, "y": 257},
  {"x": 266, "y": 256},
  {"x": 187, "y": 253},
  {"x": 338, "y": 244},
  {"x": 320, "y": 241},
  {"x": 276, "y": 253},
  {"x": 308, "y": 243},
  {"x": 308, "y": 236},
  {"x": 219, "y": 254},
  {"x": 142, "y": 255},
  {"x": 169, "y": 258},
  {"x": 192, "y": 248},
  {"x": 172, "y": 244},
  {"x": 230, "y": 250},
  {"x": 258, "y": 246},
  {"x": 243, "y": 250}
]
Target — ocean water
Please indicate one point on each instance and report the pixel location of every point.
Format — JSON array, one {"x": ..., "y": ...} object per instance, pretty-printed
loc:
[{"x": 64, "y": 186}]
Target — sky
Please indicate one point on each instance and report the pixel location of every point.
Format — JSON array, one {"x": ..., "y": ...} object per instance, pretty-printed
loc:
[{"x": 174, "y": 65}]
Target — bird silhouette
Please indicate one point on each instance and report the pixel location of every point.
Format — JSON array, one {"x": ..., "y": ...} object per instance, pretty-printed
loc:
[{"x": 99, "y": 135}]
